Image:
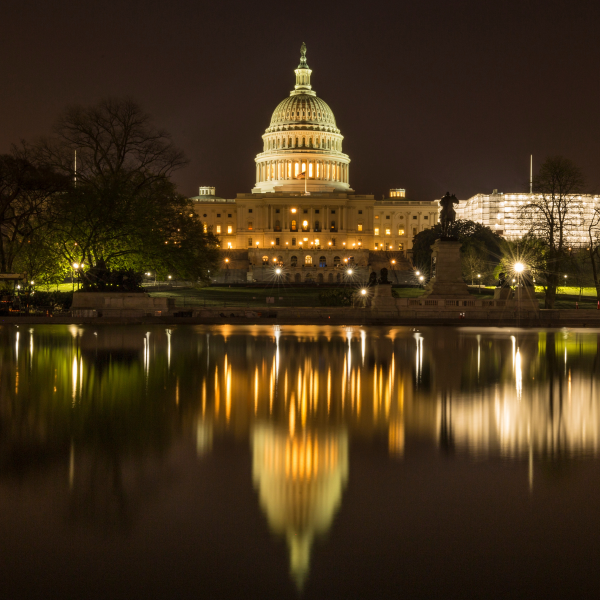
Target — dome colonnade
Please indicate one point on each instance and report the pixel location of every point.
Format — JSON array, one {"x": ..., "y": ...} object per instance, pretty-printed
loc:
[{"x": 302, "y": 147}]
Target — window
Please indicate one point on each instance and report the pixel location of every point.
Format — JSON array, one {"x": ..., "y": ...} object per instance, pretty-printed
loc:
[
  {"x": 333, "y": 212},
  {"x": 400, "y": 246},
  {"x": 317, "y": 211},
  {"x": 265, "y": 260},
  {"x": 277, "y": 241},
  {"x": 229, "y": 216},
  {"x": 294, "y": 226},
  {"x": 400, "y": 231},
  {"x": 304, "y": 225},
  {"x": 401, "y": 217},
  {"x": 218, "y": 229},
  {"x": 322, "y": 261},
  {"x": 218, "y": 215},
  {"x": 293, "y": 241},
  {"x": 426, "y": 218},
  {"x": 376, "y": 246},
  {"x": 250, "y": 210},
  {"x": 317, "y": 242},
  {"x": 294, "y": 261},
  {"x": 249, "y": 225},
  {"x": 278, "y": 225},
  {"x": 277, "y": 210},
  {"x": 359, "y": 227},
  {"x": 333, "y": 241},
  {"x": 414, "y": 231},
  {"x": 308, "y": 259},
  {"x": 387, "y": 216},
  {"x": 205, "y": 228},
  {"x": 376, "y": 231},
  {"x": 333, "y": 225},
  {"x": 415, "y": 218},
  {"x": 249, "y": 241},
  {"x": 229, "y": 229},
  {"x": 336, "y": 261},
  {"x": 360, "y": 212},
  {"x": 317, "y": 228},
  {"x": 305, "y": 211}
]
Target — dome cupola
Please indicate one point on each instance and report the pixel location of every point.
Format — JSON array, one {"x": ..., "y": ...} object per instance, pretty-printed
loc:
[{"x": 302, "y": 147}]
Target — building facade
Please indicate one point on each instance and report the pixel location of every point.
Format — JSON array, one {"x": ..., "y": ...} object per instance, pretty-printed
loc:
[{"x": 302, "y": 210}]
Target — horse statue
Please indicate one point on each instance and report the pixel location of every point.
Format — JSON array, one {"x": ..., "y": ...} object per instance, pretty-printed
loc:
[{"x": 448, "y": 214}]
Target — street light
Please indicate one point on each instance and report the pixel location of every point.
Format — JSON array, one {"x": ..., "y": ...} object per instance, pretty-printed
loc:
[
  {"x": 277, "y": 271},
  {"x": 349, "y": 272},
  {"x": 479, "y": 281},
  {"x": 363, "y": 292}
]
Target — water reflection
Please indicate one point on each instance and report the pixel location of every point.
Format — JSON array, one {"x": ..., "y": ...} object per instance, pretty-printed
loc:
[{"x": 106, "y": 407}]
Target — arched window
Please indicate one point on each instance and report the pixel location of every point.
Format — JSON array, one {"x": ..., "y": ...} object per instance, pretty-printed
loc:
[
  {"x": 322, "y": 261},
  {"x": 336, "y": 261},
  {"x": 308, "y": 259},
  {"x": 338, "y": 277},
  {"x": 298, "y": 278},
  {"x": 265, "y": 260},
  {"x": 304, "y": 141},
  {"x": 320, "y": 277},
  {"x": 294, "y": 261},
  {"x": 330, "y": 278}
]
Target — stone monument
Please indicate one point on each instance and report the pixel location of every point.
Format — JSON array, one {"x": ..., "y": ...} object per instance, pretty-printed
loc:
[{"x": 446, "y": 271}]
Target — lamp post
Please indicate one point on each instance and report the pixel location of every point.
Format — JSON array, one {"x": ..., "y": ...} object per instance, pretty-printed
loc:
[{"x": 479, "y": 282}]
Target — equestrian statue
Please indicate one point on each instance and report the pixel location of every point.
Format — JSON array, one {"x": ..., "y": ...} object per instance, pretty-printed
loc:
[{"x": 448, "y": 214}]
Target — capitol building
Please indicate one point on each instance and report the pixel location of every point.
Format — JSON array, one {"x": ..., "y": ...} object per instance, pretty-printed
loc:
[{"x": 302, "y": 213}]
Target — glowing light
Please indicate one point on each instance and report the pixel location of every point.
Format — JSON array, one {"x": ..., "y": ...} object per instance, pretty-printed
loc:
[
  {"x": 76, "y": 265},
  {"x": 349, "y": 272},
  {"x": 278, "y": 271},
  {"x": 519, "y": 267},
  {"x": 363, "y": 292},
  {"x": 226, "y": 260}
]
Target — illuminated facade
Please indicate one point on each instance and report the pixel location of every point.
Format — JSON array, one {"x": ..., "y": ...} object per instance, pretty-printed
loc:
[
  {"x": 302, "y": 201},
  {"x": 500, "y": 212}
]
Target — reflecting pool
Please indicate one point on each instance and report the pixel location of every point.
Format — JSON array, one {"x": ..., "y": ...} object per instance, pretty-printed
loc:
[{"x": 314, "y": 462}]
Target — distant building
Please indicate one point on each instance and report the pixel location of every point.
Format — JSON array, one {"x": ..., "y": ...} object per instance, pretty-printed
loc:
[{"x": 499, "y": 212}]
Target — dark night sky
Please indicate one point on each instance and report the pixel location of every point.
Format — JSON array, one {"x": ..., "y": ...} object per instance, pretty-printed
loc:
[{"x": 431, "y": 96}]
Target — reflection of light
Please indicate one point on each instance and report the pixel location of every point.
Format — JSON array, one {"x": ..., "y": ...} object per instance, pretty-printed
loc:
[
  {"x": 74, "y": 377},
  {"x": 518, "y": 374},
  {"x": 168, "y": 348},
  {"x": 363, "y": 339},
  {"x": 419, "y": 358},
  {"x": 17, "y": 347}
]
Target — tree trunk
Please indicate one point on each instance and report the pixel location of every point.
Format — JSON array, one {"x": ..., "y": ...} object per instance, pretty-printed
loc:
[
  {"x": 593, "y": 256},
  {"x": 552, "y": 284}
]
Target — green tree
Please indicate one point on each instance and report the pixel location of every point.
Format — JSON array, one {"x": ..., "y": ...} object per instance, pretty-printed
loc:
[
  {"x": 475, "y": 237},
  {"x": 122, "y": 210},
  {"x": 26, "y": 191},
  {"x": 553, "y": 214}
]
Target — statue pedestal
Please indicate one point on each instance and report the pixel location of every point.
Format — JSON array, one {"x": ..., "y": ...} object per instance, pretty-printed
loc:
[
  {"x": 383, "y": 297},
  {"x": 447, "y": 281},
  {"x": 525, "y": 298},
  {"x": 504, "y": 293}
]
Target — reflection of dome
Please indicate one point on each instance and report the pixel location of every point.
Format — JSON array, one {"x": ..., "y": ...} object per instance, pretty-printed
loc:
[
  {"x": 302, "y": 147},
  {"x": 300, "y": 480}
]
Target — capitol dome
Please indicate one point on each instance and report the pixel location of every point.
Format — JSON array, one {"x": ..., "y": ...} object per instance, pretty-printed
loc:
[{"x": 302, "y": 147}]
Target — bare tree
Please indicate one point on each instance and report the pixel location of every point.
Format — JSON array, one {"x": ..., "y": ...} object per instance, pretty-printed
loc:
[
  {"x": 553, "y": 214},
  {"x": 594, "y": 248}
]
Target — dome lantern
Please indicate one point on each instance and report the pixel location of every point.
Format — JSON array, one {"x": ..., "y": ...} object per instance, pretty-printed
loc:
[{"x": 303, "y": 74}]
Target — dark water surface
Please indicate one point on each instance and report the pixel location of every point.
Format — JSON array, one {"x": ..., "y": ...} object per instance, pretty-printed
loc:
[{"x": 286, "y": 462}]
